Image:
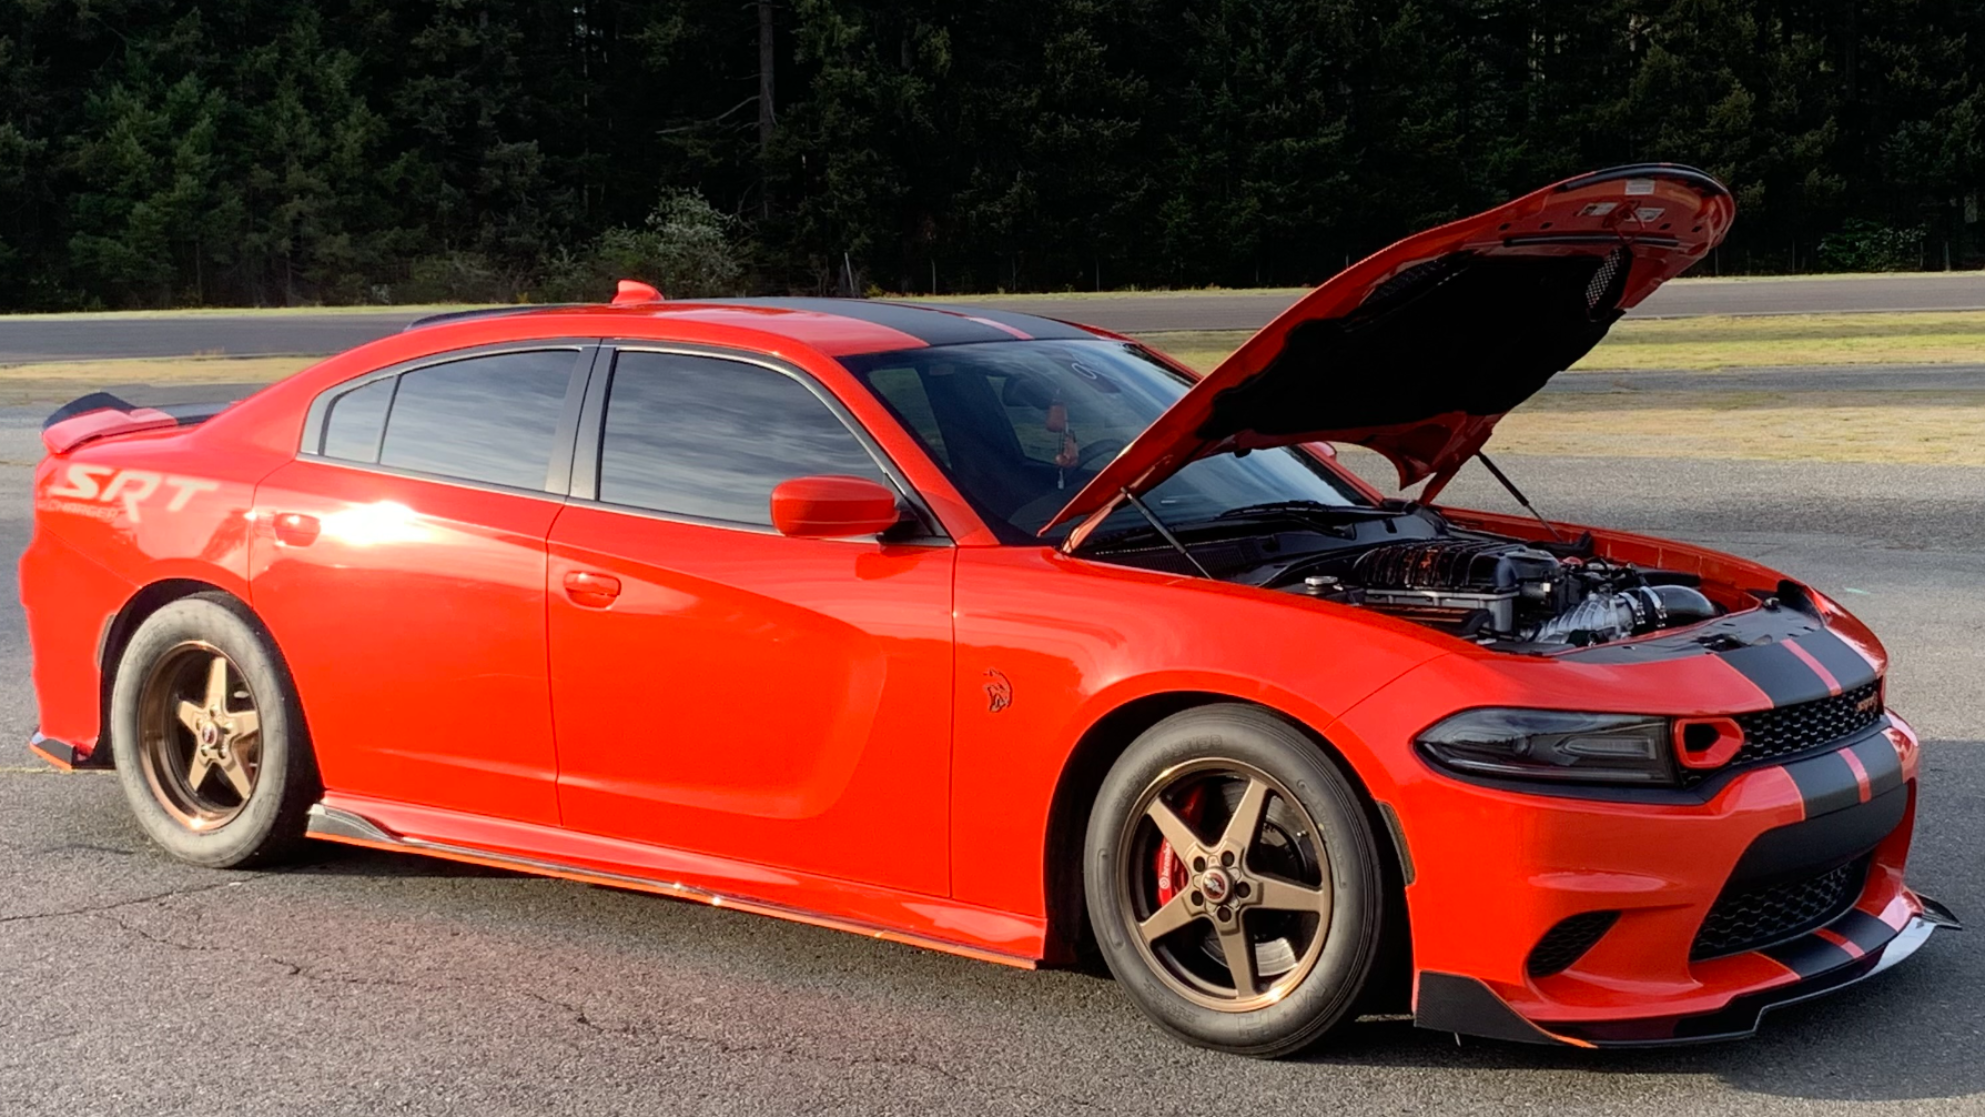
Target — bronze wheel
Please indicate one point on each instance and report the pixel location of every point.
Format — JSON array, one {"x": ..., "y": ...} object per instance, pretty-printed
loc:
[
  {"x": 199, "y": 735},
  {"x": 1233, "y": 880},
  {"x": 1226, "y": 884},
  {"x": 208, "y": 736}
]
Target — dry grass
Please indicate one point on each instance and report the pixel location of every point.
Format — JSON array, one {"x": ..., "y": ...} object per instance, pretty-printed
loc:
[
  {"x": 1941, "y": 428},
  {"x": 57, "y": 382},
  {"x": 1709, "y": 344}
]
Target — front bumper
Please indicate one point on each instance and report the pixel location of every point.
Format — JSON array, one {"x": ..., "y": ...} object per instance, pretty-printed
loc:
[
  {"x": 1466, "y": 1006},
  {"x": 1659, "y": 872}
]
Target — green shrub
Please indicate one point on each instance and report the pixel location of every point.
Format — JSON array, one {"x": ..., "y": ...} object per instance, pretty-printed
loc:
[
  {"x": 684, "y": 248},
  {"x": 1862, "y": 246}
]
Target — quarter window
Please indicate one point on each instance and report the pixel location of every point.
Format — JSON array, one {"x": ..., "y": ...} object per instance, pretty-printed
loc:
[
  {"x": 357, "y": 419},
  {"x": 490, "y": 419},
  {"x": 710, "y": 439}
]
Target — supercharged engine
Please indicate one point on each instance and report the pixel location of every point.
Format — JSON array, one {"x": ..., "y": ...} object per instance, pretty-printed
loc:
[{"x": 1503, "y": 590}]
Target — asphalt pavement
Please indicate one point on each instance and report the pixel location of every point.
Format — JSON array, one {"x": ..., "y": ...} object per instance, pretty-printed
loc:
[
  {"x": 365, "y": 983},
  {"x": 95, "y": 337}
]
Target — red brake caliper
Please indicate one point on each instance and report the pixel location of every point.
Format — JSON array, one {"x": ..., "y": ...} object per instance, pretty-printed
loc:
[{"x": 1173, "y": 873}]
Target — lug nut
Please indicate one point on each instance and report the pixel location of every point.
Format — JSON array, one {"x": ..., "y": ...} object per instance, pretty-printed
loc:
[
  {"x": 1242, "y": 890},
  {"x": 1224, "y": 913},
  {"x": 1199, "y": 864},
  {"x": 1227, "y": 858},
  {"x": 1198, "y": 899}
]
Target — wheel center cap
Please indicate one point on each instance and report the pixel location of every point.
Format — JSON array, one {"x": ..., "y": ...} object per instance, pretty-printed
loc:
[
  {"x": 1216, "y": 885},
  {"x": 210, "y": 735}
]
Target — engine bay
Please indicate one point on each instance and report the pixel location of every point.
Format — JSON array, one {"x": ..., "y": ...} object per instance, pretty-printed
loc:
[
  {"x": 1500, "y": 590},
  {"x": 1405, "y": 560}
]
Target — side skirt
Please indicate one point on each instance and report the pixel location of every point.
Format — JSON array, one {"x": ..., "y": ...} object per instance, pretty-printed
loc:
[{"x": 869, "y": 910}]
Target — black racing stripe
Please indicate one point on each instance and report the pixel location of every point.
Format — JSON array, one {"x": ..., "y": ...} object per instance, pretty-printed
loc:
[
  {"x": 1783, "y": 676},
  {"x": 1846, "y": 664},
  {"x": 1882, "y": 762},
  {"x": 1809, "y": 956},
  {"x": 1862, "y": 929},
  {"x": 1826, "y": 784},
  {"x": 1032, "y": 325},
  {"x": 932, "y": 327}
]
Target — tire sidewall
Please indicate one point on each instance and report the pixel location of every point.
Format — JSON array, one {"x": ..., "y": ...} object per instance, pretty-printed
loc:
[
  {"x": 270, "y": 821},
  {"x": 1350, "y": 947}
]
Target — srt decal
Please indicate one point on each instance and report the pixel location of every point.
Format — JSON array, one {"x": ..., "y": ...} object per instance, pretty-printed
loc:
[
  {"x": 99, "y": 490},
  {"x": 999, "y": 692}
]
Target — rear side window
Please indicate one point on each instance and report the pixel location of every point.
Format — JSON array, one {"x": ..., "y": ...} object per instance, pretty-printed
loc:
[
  {"x": 489, "y": 419},
  {"x": 356, "y": 420},
  {"x": 709, "y": 438}
]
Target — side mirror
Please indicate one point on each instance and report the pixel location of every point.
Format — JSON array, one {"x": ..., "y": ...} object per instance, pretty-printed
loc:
[{"x": 830, "y": 507}]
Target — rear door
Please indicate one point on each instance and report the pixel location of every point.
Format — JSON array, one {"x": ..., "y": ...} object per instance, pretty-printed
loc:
[
  {"x": 741, "y": 693},
  {"x": 400, "y": 562}
]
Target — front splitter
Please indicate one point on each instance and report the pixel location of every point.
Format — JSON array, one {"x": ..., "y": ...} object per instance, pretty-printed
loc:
[{"x": 1466, "y": 1006}]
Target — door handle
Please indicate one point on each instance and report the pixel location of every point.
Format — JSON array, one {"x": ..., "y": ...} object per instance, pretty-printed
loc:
[
  {"x": 585, "y": 587},
  {"x": 296, "y": 529}
]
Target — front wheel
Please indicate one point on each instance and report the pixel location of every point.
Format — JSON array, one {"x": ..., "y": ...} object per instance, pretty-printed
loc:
[
  {"x": 208, "y": 736},
  {"x": 1233, "y": 882}
]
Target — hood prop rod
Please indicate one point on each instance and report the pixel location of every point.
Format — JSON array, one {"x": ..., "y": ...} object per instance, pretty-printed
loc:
[
  {"x": 1166, "y": 532},
  {"x": 1518, "y": 494}
]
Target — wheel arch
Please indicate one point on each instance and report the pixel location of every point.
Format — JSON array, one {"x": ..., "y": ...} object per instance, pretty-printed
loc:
[
  {"x": 117, "y": 632},
  {"x": 1069, "y": 938}
]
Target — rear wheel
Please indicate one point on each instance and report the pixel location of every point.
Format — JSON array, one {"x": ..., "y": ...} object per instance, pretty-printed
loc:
[
  {"x": 208, "y": 738},
  {"x": 1233, "y": 882}
]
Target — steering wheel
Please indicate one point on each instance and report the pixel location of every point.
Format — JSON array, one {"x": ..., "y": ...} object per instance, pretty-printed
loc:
[{"x": 1104, "y": 449}]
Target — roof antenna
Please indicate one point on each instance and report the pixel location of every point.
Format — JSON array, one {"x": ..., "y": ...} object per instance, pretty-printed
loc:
[
  {"x": 1518, "y": 494},
  {"x": 1166, "y": 532}
]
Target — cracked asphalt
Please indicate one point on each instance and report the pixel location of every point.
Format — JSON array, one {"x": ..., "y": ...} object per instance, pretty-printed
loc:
[{"x": 363, "y": 983}]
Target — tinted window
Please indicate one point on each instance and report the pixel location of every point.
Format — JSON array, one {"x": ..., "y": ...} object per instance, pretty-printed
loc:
[
  {"x": 696, "y": 436},
  {"x": 357, "y": 418},
  {"x": 489, "y": 419}
]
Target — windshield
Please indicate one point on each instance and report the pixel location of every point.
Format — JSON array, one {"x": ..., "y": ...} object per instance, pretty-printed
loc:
[{"x": 1021, "y": 426}]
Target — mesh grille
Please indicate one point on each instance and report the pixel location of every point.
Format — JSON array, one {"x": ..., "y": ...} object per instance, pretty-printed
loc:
[
  {"x": 1568, "y": 941},
  {"x": 1787, "y": 731},
  {"x": 1759, "y": 917},
  {"x": 1770, "y": 734}
]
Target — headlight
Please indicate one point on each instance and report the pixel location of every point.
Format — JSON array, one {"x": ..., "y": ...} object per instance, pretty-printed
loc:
[{"x": 1554, "y": 745}]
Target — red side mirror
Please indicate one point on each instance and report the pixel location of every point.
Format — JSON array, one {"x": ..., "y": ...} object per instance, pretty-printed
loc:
[{"x": 831, "y": 506}]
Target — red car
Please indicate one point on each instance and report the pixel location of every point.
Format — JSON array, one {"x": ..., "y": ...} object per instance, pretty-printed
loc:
[{"x": 1009, "y": 637}]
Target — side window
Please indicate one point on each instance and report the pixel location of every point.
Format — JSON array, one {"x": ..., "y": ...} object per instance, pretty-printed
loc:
[
  {"x": 490, "y": 419},
  {"x": 709, "y": 438},
  {"x": 356, "y": 420}
]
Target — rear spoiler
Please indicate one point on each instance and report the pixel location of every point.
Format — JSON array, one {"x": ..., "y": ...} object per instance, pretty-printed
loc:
[{"x": 102, "y": 415}]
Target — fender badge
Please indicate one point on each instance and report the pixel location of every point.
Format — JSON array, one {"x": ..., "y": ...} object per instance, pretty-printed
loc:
[{"x": 999, "y": 691}]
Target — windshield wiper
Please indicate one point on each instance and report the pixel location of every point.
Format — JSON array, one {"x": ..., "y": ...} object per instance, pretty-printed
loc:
[{"x": 1315, "y": 508}]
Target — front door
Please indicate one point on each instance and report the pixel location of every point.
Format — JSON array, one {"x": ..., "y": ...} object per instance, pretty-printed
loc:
[{"x": 721, "y": 688}]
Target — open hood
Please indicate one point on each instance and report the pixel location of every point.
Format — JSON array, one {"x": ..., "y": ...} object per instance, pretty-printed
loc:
[{"x": 1419, "y": 349}]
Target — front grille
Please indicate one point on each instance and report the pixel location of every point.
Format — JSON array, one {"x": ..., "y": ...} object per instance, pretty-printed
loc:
[
  {"x": 1770, "y": 734},
  {"x": 1755, "y": 918},
  {"x": 1786, "y": 731},
  {"x": 1568, "y": 941}
]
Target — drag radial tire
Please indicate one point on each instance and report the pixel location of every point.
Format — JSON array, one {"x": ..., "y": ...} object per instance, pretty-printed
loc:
[
  {"x": 208, "y": 737},
  {"x": 1233, "y": 881}
]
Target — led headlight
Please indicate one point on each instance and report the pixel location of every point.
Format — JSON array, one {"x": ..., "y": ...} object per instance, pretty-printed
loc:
[{"x": 1554, "y": 745}]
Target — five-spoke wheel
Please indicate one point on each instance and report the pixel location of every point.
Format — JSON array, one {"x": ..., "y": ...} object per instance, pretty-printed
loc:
[
  {"x": 207, "y": 735},
  {"x": 198, "y": 733},
  {"x": 1233, "y": 882}
]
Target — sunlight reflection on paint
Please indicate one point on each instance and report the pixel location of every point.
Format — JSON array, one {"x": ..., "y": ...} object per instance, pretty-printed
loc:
[{"x": 367, "y": 525}]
